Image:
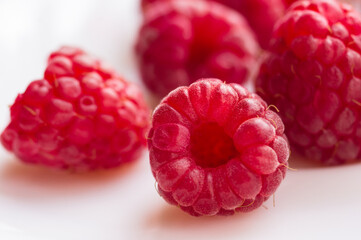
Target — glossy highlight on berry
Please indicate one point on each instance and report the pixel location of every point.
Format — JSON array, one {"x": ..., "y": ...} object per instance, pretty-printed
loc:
[{"x": 216, "y": 149}]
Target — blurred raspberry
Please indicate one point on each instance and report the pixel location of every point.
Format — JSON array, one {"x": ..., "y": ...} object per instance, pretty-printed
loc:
[
  {"x": 312, "y": 74},
  {"x": 216, "y": 149},
  {"x": 260, "y": 14},
  {"x": 81, "y": 116},
  {"x": 182, "y": 41}
]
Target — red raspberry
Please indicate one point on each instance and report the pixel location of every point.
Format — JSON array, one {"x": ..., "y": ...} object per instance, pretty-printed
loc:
[
  {"x": 176, "y": 45},
  {"x": 81, "y": 116},
  {"x": 260, "y": 14},
  {"x": 313, "y": 75},
  {"x": 215, "y": 149}
]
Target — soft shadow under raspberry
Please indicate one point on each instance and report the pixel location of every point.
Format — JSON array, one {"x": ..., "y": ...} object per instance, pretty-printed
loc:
[
  {"x": 20, "y": 180},
  {"x": 298, "y": 162},
  {"x": 171, "y": 217}
]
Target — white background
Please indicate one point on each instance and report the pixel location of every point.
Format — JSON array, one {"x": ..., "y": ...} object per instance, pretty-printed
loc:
[{"x": 35, "y": 203}]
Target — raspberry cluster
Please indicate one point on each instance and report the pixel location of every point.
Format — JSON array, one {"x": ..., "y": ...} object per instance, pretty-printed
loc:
[
  {"x": 80, "y": 116},
  {"x": 313, "y": 75},
  {"x": 216, "y": 149},
  {"x": 182, "y": 41}
]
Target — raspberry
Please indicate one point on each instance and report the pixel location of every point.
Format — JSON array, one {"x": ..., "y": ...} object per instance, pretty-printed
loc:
[
  {"x": 216, "y": 149},
  {"x": 80, "y": 116},
  {"x": 260, "y": 14},
  {"x": 312, "y": 74},
  {"x": 176, "y": 46}
]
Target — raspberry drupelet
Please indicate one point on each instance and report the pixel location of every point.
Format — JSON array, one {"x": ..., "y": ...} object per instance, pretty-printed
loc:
[
  {"x": 313, "y": 75},
  {"x": 182, "y": 41},
  {"x": 81, "y": 116},
  {"x": 216, "y": 149}
]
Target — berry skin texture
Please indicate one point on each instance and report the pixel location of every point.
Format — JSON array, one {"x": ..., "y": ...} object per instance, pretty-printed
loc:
[
  {"x": 260, "y": 14},
  {"x": 216, "y": 149},
  {"x": 313, "y": 75},
  {"x": 176, "y": 46},
  {"x": 81, "y": 116}
]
